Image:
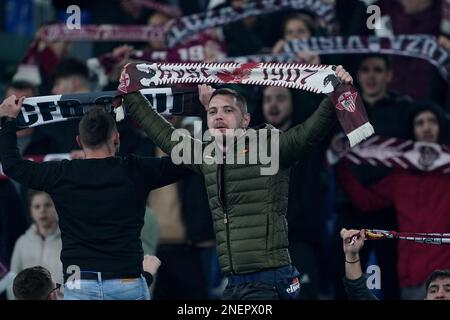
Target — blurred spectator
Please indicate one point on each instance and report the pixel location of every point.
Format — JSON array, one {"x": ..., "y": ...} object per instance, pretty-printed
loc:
[
  {"x": 297, "y": 26},
  {"x": 186, "y": 236},
  {"x": 12, "y": 219},
  {"x": 411, "y": 76},
  {"x": 150, "y": 232},
  {"x": 247, "y": 36},
  {"x": 421, "y": 201},
  {"x": 41, "y": 244},
  {"x": 71, "y": 76},
  {"x": 355, "y": 9},
  {"x": 386, "y": 111},
  {"x": 437, "y": 285},
  {"x": 30, "y": 141}
]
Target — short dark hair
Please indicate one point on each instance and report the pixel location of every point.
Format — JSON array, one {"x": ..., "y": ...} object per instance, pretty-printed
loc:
[
  {"x": 71, "y": 67},
  {"x": 23, "y": 85},
  {"x": 240, "y": 99},
  {"x": 96, "y": 127},
  {"x": 33, "y": 283},
  {"x": 421, "y": 106},
  {"x": 441, "y": 273},
  {"x": 385, "y": 58}
]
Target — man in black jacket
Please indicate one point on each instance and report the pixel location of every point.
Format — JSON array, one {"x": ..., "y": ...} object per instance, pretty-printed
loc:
[{"x": 100, "y": 202}]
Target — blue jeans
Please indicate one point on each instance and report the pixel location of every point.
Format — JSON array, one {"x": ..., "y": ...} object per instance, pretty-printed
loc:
[{"x": 114, "y": 289}]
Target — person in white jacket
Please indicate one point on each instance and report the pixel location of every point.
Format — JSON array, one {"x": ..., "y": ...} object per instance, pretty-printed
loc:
[{"x": 41, "y": 244}]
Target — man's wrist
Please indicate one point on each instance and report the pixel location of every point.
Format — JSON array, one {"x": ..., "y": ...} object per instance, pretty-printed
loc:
[
  {"x": 6, "y": 119},
  {"x": 351, "y": 258}
]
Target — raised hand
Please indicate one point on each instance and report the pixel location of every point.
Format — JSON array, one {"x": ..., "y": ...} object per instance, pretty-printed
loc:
[
  {"x": 343, "y": 75},
  {"x": 352, "y": 242},
  {"x": 205, "y": 92},
  {"x": 11, "y": 107}
]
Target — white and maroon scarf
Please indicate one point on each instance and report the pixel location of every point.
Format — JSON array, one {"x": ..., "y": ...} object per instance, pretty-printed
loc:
[
  {"x": 392, "y": 153},
  {"x": 184, "y": 27},
  {"x": 419, "y": 46},
  {"x": 37, "y": 111},
  {"x": 314, "y": 78},
  {"x": 189, "y": 25},
  {"x": 95, "y": 33},
  {"x": 169, "y": 10}
]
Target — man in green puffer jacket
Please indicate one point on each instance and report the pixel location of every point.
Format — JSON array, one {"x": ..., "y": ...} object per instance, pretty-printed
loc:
[{"x": 248, "y": 208}]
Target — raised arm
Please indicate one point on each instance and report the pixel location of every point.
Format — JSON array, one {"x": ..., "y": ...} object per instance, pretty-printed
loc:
[
  {"x": 298, "y": 140},
  {"x": 295, "y": 142},
  {"x": 40, "y": 176},
  {"x": 158, "y": 129},
  {"x": 354, "y": 281},
  {"x": 160, "y": 172}
]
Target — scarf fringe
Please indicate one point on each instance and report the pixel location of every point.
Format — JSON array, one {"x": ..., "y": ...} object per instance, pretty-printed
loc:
[{"x": 361, "y": 133}]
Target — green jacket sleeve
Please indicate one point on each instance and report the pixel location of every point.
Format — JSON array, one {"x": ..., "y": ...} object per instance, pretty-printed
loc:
[
  {"x": 295, "y": 142},
  {"x": 161, "y": 132}
]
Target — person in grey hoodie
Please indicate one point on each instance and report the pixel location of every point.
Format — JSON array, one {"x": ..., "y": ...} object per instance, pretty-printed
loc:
[{"x": 41, "y": 243}]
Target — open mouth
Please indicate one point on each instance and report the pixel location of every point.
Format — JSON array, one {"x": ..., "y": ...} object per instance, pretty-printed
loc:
[
  {"x": 273, "y": 112},
  {"x": 220, "y": 126}
]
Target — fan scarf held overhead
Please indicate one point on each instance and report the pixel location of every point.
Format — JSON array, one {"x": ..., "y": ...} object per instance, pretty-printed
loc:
[{"x": 350, "y": 110}]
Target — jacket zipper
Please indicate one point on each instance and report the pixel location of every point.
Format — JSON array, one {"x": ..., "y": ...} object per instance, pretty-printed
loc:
[{"x": 222, "y": 200}]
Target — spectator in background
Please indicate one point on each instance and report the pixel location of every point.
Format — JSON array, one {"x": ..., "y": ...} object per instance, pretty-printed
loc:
[
  {"x": 386, "y": 111},
  {"x": 297, "y": 26},
  {"x": 41, "y": 58},
  {"x": 305, "y": 222},
  {"x": 421, "y": 201},
  {"x": 12, "y": 219},
  {"x": 437, "y": 285},
  {"x": 186, "y": 235},
  {"x": 357, "y": 10},
  {"x": 411, "y": 76},
  {"x": 301, "y": 26},
  {"x": 247, "y": 36},
  {"x": 31, "y": 141},
  {"x": 71, "y": 76},
  {"x": 41, "y": 244}
]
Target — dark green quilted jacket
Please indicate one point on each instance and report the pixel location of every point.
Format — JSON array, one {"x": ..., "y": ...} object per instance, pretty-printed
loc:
[{"x": 248, "y": 208}]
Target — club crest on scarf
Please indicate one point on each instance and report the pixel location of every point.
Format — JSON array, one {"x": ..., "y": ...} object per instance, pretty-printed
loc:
[
  {"x": 428, "y": 155},
  {"x": 347, "y": 101}
]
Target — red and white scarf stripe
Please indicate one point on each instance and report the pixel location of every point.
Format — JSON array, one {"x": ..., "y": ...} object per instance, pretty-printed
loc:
[{"x": 393, "y": 153}]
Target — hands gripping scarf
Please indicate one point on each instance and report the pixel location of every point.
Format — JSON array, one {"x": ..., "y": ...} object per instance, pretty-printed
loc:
[{"x": 314, "y": 78}]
